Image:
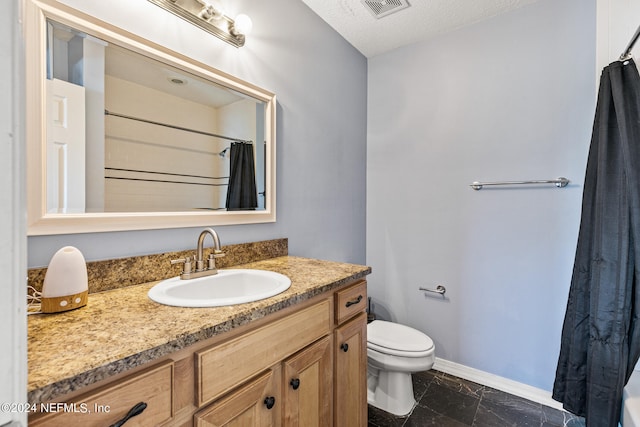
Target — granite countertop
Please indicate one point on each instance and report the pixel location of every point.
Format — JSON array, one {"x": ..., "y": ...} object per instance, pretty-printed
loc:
[{"x": 122, "y": 328}]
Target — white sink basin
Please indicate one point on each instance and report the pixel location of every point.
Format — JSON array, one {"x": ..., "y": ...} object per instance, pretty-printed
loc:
[{"x": 228, "y": 287}]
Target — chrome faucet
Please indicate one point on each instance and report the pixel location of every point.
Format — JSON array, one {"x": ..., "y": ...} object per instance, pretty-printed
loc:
[{"x": 201, "y": 270}]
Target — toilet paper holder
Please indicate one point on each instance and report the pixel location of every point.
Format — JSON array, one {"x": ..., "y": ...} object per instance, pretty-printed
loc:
[{"x": 438, "y": 290}]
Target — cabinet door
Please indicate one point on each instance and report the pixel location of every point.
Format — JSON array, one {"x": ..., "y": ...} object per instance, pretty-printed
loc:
[
  {"x": 256, "y": 404},
  {"x": 307, "y": 388},
  {"x": 220, "y": 368},
  {"x": 351, "y": 373}
]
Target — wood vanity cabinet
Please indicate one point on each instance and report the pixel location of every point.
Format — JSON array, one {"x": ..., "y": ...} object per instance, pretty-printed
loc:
[
  {"x": 296, "y": 392},
  {"x": 350, "y": 373},
  {"x": 306, "y": 368},
  {"x": 322, "y": 384},
  {"x": 294, "y": 350}
]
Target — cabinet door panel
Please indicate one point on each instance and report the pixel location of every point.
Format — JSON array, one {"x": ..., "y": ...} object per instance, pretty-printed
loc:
[
  {"x": 245, "y": 407},
  {"x": 221, "y": 367},
  {"x": 308, "y": 386},
  {"x": 351, "y": 373}
]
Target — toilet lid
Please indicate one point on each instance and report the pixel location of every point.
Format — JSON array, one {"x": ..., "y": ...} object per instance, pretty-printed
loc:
[{"x": 395, "y": 336}]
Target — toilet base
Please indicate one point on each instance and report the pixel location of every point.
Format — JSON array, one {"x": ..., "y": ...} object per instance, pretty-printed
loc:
[{"x": 390, "y": 391}]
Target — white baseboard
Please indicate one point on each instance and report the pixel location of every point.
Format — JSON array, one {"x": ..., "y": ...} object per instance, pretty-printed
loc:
[{"x": 500, "y": 383}]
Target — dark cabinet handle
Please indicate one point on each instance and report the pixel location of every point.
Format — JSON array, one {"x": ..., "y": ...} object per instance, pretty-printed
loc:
[
  {"x": 270, "y": 401},
  {"x": 344, "y": 347},
  {"x": 354, "y": 302},
  {"x": 295, "y": 383},
  {"x": 136, "y": 410}
]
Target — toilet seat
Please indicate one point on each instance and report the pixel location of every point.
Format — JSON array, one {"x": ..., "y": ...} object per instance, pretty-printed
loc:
[
  {"x": 394, "y": 353},
  {"x": 398, "y": 340}
]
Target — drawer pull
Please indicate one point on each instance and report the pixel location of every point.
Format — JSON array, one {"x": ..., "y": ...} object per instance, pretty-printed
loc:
[
  {"x": 295, "y": 383},
  {"x": 136, "y": 410},
  {"x": 344, "y": 347},
  {"x": 269, "y": 402},
  {"x": 353, "y": 302}
]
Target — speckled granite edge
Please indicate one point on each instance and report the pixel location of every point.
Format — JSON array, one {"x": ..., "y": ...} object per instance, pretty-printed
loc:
[
  {"x": 52, "y": 391},
  {"x": 117, "y": 273},
  {"x": 309, "y": 278}
]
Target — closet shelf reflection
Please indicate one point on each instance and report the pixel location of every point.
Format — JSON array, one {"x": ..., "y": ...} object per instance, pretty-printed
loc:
[{"x": 151, "y": 122}]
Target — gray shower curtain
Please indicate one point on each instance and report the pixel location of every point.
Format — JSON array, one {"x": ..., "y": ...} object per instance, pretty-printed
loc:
[
  {"x": 601, "y": 335},
  {"x": 241, "y": 192}
]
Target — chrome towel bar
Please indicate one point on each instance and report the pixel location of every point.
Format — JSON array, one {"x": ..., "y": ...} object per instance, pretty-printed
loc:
[
  {"x": 559, "y": 182},
  {"x": 438, "y": 290}
]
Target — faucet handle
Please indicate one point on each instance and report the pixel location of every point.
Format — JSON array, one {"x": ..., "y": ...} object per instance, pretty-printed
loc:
[
  {"x": 186, "y": 261},
  {"x": 211, "y": 262},
  {"x": 217, "y": 253}
]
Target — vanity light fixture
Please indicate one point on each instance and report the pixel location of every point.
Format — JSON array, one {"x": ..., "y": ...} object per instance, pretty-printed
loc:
[
  {"x": 242, "y": 25},
  {"x": 209, "y": 18}
]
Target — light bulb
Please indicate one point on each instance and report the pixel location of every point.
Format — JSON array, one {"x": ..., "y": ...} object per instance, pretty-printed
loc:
[{"x": 242, "y": 24}]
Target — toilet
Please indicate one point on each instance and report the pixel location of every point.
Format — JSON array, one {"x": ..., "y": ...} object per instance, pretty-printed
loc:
[{"x": 394, "y": 352}]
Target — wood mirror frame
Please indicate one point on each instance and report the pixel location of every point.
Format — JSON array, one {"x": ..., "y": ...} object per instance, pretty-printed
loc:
[{"x": 39, "y": 221}]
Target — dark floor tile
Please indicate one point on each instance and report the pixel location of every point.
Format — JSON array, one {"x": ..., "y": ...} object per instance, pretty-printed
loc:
[
  {"x": 448, "y": 401},
  {"x": 492, "y": 417},
  {"x": 503, "y": 398},
  {"x": 460, "y": 385},
  {"x": 380, "y": 418},
  {"x": 429, "y": 375},
  {"x": 499, "y": 409},
  {"x": 421, "y": 382},
  {"x": 448, "y": 398},
  {"x": 552, "y": 417},
  {"x": 570, "y": 422},
  {"x": 575, "y": 422},
  {"x": 424, "y": 417}
]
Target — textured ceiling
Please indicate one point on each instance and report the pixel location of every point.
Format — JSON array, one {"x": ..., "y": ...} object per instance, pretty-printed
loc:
[{"x": 422, "y": 20}]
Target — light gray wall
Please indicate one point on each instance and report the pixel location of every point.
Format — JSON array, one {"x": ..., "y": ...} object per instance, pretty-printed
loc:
[
  {"x": 510, "y": 98},
  {"x": 320, "y": 82}
]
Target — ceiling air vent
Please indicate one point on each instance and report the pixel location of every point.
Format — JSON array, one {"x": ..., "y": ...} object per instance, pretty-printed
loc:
[{"x": 380, "y": 8}]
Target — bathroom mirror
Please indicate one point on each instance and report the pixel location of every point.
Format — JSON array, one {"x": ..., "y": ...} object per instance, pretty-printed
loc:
[{"x": 124, "y": 134}]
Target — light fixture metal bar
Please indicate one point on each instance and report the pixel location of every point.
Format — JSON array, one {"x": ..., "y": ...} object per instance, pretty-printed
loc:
[{"x": 222, "y": 31}]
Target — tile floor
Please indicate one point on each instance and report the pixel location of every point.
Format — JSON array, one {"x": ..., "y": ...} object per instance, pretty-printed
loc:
[{"x": 447, "y": 401}]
